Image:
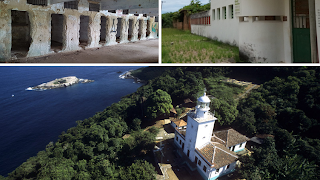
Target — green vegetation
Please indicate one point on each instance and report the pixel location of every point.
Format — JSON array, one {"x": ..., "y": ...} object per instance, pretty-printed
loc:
[
  {"x": 183, "y": 47},
  {"x": 193, "y": 7},
  {"x": 285, "y": 107}
]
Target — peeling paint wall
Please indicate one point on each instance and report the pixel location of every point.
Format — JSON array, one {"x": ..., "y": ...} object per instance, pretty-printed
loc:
[{"x": 41, "y": 21}]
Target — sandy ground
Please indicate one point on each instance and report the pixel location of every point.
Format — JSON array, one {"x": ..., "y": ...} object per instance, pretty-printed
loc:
[{"x": 146, "y": 51}]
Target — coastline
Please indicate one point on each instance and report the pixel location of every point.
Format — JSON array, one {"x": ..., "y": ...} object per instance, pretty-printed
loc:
[{"x": 128, "y": 75}]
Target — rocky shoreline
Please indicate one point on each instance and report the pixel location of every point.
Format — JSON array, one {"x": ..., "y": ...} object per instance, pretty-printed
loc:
[
  {"x": 128, "y": 75},
  {"x": 59, "y": 83}
]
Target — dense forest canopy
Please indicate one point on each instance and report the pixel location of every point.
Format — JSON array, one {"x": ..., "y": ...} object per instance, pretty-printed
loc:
[{"x": 284, "y": 108}]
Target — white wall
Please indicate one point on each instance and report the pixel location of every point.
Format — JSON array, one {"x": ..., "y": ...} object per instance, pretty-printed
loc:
[
  {"x": 237, "y": 147},
  {"x": 197, "y": 135},
  {"x": 265, "y": 41},
  {"x": 225, "y": 30}
]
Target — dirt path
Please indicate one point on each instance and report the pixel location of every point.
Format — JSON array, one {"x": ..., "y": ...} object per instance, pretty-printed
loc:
[{"x": 146, "y": 51}]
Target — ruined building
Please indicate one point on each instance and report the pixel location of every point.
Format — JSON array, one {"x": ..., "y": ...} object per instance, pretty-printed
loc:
[{"x": 38, "y": 27}]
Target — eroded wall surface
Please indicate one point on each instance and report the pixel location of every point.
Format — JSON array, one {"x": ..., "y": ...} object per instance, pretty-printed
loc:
[{"x": 40, "y": 27}]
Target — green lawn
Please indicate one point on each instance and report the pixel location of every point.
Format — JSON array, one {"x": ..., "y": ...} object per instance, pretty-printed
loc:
[{"x": 183, "y": 47}]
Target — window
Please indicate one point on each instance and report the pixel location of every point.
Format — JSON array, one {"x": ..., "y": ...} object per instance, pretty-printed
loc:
[
  {"x": 224, "y": 12},
  {"x": 218, "y": 13},
  {"x": 217, "y": 171},
  {"x": 228, "y": 166},
  {"x": 199, "y": 163},
  {"x": 240, "y": 145},
  {"x": 94, "y": 7},
  {"x": 71, "y": 5},
  {"x": 188, "y": 153},
  {"x": 180, "y": 141},
  {"x": 177, "y": 138},
  {"x": 204, "y": 168},
  {"x": 213, "y": 14},
  {"x": 38, "y": 2},
  {"x": 196, "y": 159},
  {"x": 231, "y": 11},
  {"x": 233, "y": 148}
]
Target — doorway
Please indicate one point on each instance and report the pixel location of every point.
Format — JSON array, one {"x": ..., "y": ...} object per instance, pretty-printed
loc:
[
  {"x": 20, "y": 33},
  {"x": 57, "y": 22},
  {"x": 301, "y": 31}
]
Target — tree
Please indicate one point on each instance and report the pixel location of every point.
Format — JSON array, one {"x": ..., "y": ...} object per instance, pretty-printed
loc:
[
  {"x": 141, "y": 170},
  {"x": 225, "y": 112},
  {"x": 158, "y": 103}
]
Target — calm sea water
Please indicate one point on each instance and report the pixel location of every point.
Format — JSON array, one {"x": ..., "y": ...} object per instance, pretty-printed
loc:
[{"x": 29, "y": 120}]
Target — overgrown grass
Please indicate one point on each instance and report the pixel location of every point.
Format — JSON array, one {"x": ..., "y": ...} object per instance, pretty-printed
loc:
[{"x": 183, "y": 47}]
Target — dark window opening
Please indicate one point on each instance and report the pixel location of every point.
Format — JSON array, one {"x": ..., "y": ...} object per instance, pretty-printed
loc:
[
  {"x": 188, "y": 153},
  {"x": 119, "y": 30},
  {"x": 94, "y": 7},
  {"x": 103, "y": 30},
  {"x": 57, "y": 32},
  {"x": 204, "y": 168},
  {"x": 199, "y": 163},
  {"x": 136, "y": 14},
  {"x": 84, "y": 31},
  {"x": 125, "y": 11},
  {"x": 196, "y": 159},
  {"x": 38, "y": 2},
  {"x": 148, "y": 29},
  {"x": 20, "y": 32},
  {"x": 130, "y": 32},
  {"x": 112, "y": 11},
  {"x": 71, "y": 5}
]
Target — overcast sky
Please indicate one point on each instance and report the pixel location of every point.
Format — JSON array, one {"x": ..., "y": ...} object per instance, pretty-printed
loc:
[{"x": 175, "y": 5}]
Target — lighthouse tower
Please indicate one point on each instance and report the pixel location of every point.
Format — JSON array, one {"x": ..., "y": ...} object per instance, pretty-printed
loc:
[{"x": 199, "y": 126}]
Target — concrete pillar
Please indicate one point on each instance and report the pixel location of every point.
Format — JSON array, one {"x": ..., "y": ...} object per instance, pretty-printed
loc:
[
  {"x": 134, "y": 28},
  {"x": 112, "y": 22},
  {"x": 94, "y": 33},
  {"x": 124, "y": 29},
  {"x": 313, "y": 31},
  {"x": 152, "y": 28},
  {"x": 40, "y": 33},
  {"x": 5, "y": 34},
  {"x": 143, "y": 28},
  {"x": 72, "y": 28}
]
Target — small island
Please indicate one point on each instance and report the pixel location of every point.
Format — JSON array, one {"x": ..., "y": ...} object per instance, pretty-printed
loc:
[{"x": 61, "y": 82}]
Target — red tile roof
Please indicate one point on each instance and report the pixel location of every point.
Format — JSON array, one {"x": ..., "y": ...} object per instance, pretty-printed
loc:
[
  {"x": 228, "y": 137},
  {"x": 217, "y": 154}
]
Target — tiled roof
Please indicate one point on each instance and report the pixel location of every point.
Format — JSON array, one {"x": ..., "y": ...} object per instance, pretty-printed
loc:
[
  {"x": 180, "y": 122},
  {"x": 228, "y": 137},
  {"x": 217, "y": 154}
]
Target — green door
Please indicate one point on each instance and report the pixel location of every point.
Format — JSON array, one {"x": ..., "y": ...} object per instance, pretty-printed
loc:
[
  {"x": 301, "y": 45},
  {"x": 301, "y": 32}
]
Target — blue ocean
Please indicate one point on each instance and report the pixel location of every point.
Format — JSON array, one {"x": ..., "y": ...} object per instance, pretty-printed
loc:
[{"x": 29, "y": 120}]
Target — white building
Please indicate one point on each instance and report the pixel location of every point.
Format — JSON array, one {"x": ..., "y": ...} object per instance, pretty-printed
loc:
[
  {"x": 270, "y": 31},
  {"x": 212, "y": 152}
]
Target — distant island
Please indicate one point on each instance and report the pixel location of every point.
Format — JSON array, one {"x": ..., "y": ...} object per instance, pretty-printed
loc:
[{"x": 61, "y": 82}]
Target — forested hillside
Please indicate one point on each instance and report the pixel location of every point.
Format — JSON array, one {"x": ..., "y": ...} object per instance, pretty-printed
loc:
[{"x": 285, "y": 107}]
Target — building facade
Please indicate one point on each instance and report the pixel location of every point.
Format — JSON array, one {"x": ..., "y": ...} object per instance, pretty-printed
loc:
[
  {"x": 266, "y": 31},
  {"x": 212, "y": 152},
  {"x": 37, "y": 27}
]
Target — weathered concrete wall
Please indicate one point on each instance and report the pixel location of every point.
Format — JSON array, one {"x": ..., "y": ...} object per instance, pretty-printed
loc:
[
  {"x": 40, "y": 27},
  {"x": 265, "y": 41},
  {"x": 134, "y": 28},
  {"x": 124, "y": 29},
  {"x": 112, "y": 24},
  {"x": 143, "y": 28}
]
